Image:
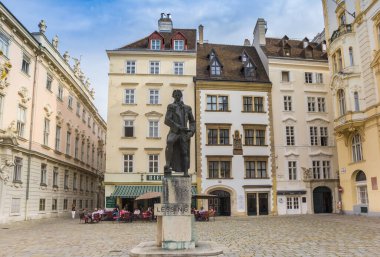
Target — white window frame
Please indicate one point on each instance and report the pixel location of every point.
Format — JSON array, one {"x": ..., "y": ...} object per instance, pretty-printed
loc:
[
  {"x": 21, "y": 120},
  {"x": 356, "y": 148},
  {"x": 154, "y": 131},
  {"x": 128, "y": 163},
  {"x": 130, "y": 67},
  {"x": 46, "y": 131},
  {"x": 154, "y": 96},
  {"x": 311, "y": 105},
  {"x": 68, "y": 142},
  {"x": 129, "y": 124},
  {"x": 57, "y": 138},
  {"x": 179, "y": 45},
  {"x": 308, "y": 77},
  {"x": 323, "y": 136},
  {"x": 319, "y": 78},
  {"x": 316, "y": 167},
  {"x": 129, "y": 96},
  {"x": 70, "y": 102},
  {"x": 154, "y": 67},
  {"x": 313, "y": 132},
  {"x": 25, "y": 66},
  {"x": 17, "y": 169},
  {"x": 60, "y": 92},
  {"x": 290, "y": 135},
  {"x": 155, "y": 44},
  {"x": 49, "y": 82},
  {"x": 178, "y": 68},
  {"x": 4, "y": 44},
  {"x": 321, "y": 104},
  {"x": 55, "y": 176},
  {"x": 326, "y": 169},
  {"x": 43, "y": 180},
  {"x": 288, "y": 107},
  {"x": 153, "y": 163},
  {"x": 292, "y": 170}
]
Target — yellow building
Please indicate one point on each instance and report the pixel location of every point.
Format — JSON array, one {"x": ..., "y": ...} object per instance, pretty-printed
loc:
[
  {"x": 142, "y": 77},
  {"x": 352, "y": 32}
]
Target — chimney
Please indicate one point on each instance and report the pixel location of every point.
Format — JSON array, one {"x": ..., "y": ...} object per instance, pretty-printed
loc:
[
  {"x": 165, "y": 23},
  {"x": 259, "y": 32},
  {"x": 200, "y": 31},
  {"x": 246, "y": 42}
]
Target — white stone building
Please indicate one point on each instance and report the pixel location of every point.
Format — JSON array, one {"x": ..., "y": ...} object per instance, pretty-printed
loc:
[{"x": 52, "y": 136}]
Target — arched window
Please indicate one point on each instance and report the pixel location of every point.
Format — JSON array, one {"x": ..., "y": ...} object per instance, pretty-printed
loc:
[
  {"x": 361, "y": 187},
  {"x": 357, "y": 154},
  {"x": 351, "y": 53},
  {"x": 356, "y": 99},
  {"x": 341, "y": 102}
]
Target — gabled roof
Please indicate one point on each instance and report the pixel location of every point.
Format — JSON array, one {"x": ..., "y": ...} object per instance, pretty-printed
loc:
[
  {"x": 189, "y": 34},
  {"x": 274, "y": 47},
  {"x": 229, "y": 56}
]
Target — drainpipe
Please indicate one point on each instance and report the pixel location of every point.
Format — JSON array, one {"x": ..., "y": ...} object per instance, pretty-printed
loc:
[{"x": 31, "y": 135}]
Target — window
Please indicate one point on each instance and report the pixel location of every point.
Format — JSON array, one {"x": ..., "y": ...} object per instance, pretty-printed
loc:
[
  {"x": 179, "y": 45},
  {"x": 130, "y": 67},
  {"x": 129, "y": 96},
  {"x": 259, "y": 106},
  {"x": 308, "y": 77},
  {"x": 82, "y": 151},
  {"x": 351, "y": 54},
  {"x": 128, "y": 128},
  {"x": 25, "y": 64},
  {"x": 215, "y": 68},
  {"x": 357, "y": 153},
  {"x": 70, "y": 102},
  {"x": 247, "y": 104},
  {"x": 249, "y": 70},
  {"x": 290, "y": 135},
  {"x": 84, "y": 115},
  {"x": 21, "y": 121},
  {"x": 88, "y": 153},
  {"x": 321, "y": 104},
  {"x": 154, "y": 67},
  {"x": 43, "y": 174},
  {"x": 153, "y": 129},
  {"x": 42, "y": 205},
  {"x": 75, "y": 181},
  {"x": 54, "y": 205},
  {"x": 292, "y": 203},
  {"x": 155, "y": 44},
  {"x": 316, "y": 170},
  {"x": 313, "y": 135},
  {"x": 319, "y": 78},
  {"x": 362, "y": 195},
  {"x": 128, "y": 163},
  {"x": 93, "y": 155},
  {"x": 81, "y": 182},
  {"x": 78, "y": 109},
  {"x": 288, "y": 103},
  {"x": 49, "y": 82},
  {"x": 249, "y": 136},
  {"x": 323, "y": 136},
  {"x": 57, "y": 137},
  {"x": 311, "y": 104},
  {"x": 339, "y": 61},
  {"x": 46, "y": 131},
  {"x": 64, "y": 204},
  {"x": 292, "y": 170},
  {"x": 285, "y": 76},
  {"x": 55, "y": 177},
  {"x": 89, "y": 121},
  {"x": 4, "y": 44},
  {"x": 217, "y": 103},
  {"x": 218, "y": 134},
  {"x": 76, "y": 146},
  {"x": 17, "y": 169},
  {"x": 153, "y": 163},
  {"x": 66, "y": 180},
  {"x": 60, "y": 92},
  {"x": 255, "y": 167},
  {"x": 341, "y": 102},
  {"x": 219, "y": 168},
  {"x": 80, "y": 204},
  {"x": 326, "y": 169},
  {"x": 356, "y": 99},
  {"x": 153, "y": 96},
  {"x": 178, "y": 68},
  {"x": 260, "y": 137},
  {"x": 16, "y": 204}
]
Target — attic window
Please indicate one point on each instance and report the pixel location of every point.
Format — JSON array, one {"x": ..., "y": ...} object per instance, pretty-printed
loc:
[
  {"x": 215, "y": 67},
  {"x": 249, "y": 70},
  {"x": 179, "y": 45},
  {"x": 287, "y": 51},
  {"x": 308, "y": 53},
  {"x": 244, "y": 57},
  {"x": 155, "y": 44}
]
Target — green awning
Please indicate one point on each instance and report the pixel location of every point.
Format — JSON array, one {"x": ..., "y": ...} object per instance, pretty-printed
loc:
[{"x": 135, "y": 191}]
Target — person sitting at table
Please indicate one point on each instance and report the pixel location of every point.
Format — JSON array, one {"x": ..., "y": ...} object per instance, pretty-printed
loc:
[{"x": 137, "y": 213}]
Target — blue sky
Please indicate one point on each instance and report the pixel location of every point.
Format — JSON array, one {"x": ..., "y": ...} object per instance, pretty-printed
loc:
[{"x": 87, "y": 28}]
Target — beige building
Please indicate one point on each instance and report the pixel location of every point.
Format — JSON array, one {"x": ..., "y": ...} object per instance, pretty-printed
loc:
[
  {"x": 142, "y": 77},
  {"x": 353, "y": 43},
  {"x": 305, "y": 153},
  {"x": 52, "y": 138}
]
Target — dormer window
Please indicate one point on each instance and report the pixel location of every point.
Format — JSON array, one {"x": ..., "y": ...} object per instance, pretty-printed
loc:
[
  {"x": 244, "y": 58},
  {"x": 309, "y": 52},
  {"x": 155, "y": 44},
  {"x": 211, "y": 56},
  {"x": 179, "y": 45},
  {"x": 249, "y": 70},
  {"x": 287, "y": 50},
  {"x": 215, "y": 68}
]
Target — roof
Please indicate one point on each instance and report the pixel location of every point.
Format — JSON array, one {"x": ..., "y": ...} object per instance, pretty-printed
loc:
[
  {"x": 190, "y": 34},
  {"x": 230, "y": 58},
  {"x": 274, "y": 48}
]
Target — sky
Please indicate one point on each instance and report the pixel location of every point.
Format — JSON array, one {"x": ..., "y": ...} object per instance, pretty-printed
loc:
[{"x": 87, "y": 28}]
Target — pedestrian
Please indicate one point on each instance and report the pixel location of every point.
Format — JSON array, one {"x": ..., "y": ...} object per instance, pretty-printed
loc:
[{"x": 73, "y": 211}]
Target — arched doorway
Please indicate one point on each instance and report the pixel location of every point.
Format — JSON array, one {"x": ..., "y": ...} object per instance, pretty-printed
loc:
[
  {"x": 222, "y": 203},
  {"x": 361, "y": 191},
  {"x": 322, "y": 200}
]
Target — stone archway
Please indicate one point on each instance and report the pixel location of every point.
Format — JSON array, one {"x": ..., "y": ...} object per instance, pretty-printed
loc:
[
  {"x": 222, "y": 203},
  {"x": 322, "y": 200}
]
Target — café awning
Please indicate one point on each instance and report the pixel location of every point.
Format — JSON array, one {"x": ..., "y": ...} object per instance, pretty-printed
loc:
[{"x": 135, "y": 191}]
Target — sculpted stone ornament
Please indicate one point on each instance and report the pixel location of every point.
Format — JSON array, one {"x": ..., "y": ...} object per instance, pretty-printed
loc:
[
  {"x": 5, "y": 67},
  {"x": 4, "y": 176},
  {"x": 42, "y": 26},
  {"x": 76, "y": 67},
  {"x": 10, "y": 135},
  {"x": 66, "y": 56},
  {"x": 238, "y": 146},
  {"x": 177, "y": 153},
  {"x": 55, "y": 42}
]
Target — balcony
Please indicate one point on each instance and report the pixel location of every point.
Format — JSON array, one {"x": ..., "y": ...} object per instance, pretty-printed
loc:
[
  {"x": 350, "y": 119},
  {"x": 343, "y": 29}
]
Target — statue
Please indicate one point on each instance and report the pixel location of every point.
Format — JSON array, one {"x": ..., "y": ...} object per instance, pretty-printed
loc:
[
  {"x": 177, "y": 153},
  {"x": 66, "y": 56},
  {"x": 42, "y": 26},
  {"x": 3, "y": 172},
  {"x": 76, "y": 67},
  {"x": 5, "y": 68},
  {"x": 55, "y": 42},
  {"x": 10, "y": 135},
  {"x": 238, "y": 146}
]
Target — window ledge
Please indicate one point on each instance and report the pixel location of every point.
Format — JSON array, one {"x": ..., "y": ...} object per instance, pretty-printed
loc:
[
  {"x": 358, "y": 162},
  {"x": 257, "y": 178},
  {"x": 68, "y": 156},
  {"x": 17, "y": 182},
  {"x": 219, "y": 145},
  {"x": 217, "y": 111},
  {"x": 43, "y": 184},
  {"x": 46, "y": 147},
  {"x": 256, "y": 145},
  {"x": 58, "y": 152},
  {"x": 128, "y": 137},
  {"x": 219, "y": 178},
  {"x": 154, "y": 104},
  {"x": 154, "y": 138},
  {"x": 59, "y": 99},
  {"x": 129, "y": 104},
  {"x": 23, "y": 139}
]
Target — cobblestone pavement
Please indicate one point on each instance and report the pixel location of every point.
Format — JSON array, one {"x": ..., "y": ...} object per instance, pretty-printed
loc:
[{"x": 307, "y": 235}]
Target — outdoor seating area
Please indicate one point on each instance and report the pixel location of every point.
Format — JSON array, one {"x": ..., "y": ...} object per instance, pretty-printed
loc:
[{"x": 204, "y": 215}]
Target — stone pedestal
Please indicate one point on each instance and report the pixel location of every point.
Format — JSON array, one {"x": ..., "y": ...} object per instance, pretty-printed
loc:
[{"x": 175, "y": 221}]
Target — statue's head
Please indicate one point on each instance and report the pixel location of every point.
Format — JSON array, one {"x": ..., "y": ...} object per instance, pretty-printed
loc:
[{"x": 177, "y": 95}]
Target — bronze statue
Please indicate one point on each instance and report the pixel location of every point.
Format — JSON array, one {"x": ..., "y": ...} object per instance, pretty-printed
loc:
[{"x": 177, "y": 153}]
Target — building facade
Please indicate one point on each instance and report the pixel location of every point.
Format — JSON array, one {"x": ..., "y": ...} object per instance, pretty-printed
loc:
[
  {"x": 352, "y": 31},
  {"x": 52, "y": 136},
  {"x": 305, "y": 153},
  {"x": 234, "y": 132},
  {"x": 142, "y": 78}
]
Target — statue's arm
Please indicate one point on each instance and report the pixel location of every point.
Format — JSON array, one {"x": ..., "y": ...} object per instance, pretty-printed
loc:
[
  {"x": 191, "y": 121},
  {"x": 169, "y": 120}
]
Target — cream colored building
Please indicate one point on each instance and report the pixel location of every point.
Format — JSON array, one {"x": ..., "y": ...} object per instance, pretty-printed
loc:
[
  {"x": 52, "y": 138},
  {"x": 142, "y": 77},
  {"x": 305, "y": 152},
  {"x": 353, "y": 42}
]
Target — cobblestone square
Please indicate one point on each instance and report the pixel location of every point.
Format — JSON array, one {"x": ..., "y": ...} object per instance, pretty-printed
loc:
[{"x": 307, "y": 235}]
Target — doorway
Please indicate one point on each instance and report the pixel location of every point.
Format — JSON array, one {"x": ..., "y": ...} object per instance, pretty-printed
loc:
[
  {"x": 222, "y": 203},
  {"x": 322, "y": 200},
  {"x": 257, "y": 201}
]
